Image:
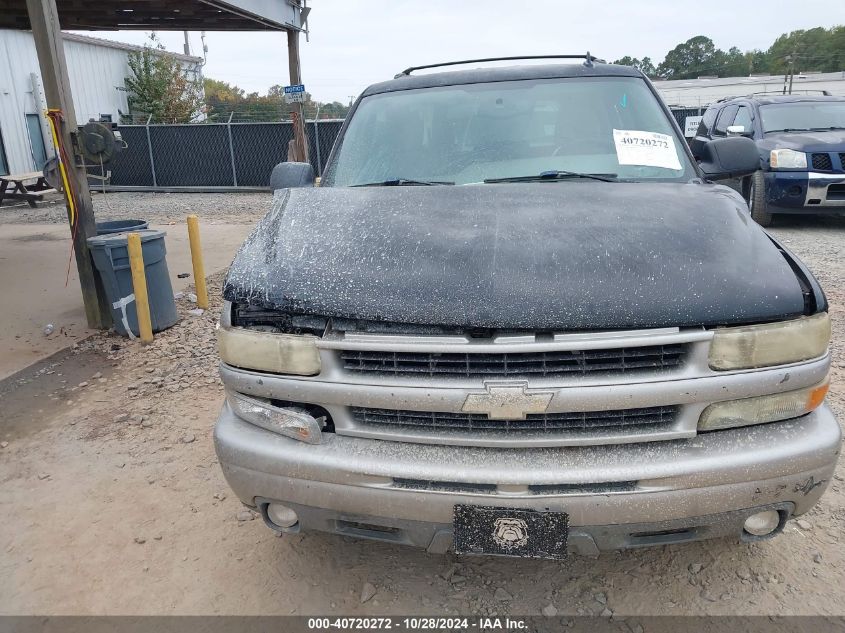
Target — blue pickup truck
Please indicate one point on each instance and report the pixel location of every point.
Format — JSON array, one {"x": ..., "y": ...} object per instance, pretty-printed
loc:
[{"x": 801, "y": 140}]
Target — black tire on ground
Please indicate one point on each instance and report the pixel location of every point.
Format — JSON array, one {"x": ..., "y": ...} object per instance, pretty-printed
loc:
[{"x": 756, "y": 198}]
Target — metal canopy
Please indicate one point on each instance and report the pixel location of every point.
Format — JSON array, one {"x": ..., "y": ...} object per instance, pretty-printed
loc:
[{"x": 166, "y": 15}]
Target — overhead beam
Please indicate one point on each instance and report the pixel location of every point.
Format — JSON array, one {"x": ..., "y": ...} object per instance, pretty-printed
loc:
[
  {"x": 210, "y": 15},
  {"x": 44, "y": 18},
  {"x": 285, "y": 14}
]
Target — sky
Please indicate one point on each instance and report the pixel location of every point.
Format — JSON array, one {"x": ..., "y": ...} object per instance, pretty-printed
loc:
[{"x": 354, "y": 43}]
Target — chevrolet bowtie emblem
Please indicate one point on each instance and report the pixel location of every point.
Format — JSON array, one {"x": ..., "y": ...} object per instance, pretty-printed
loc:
[{"x": 507, "y": 401}]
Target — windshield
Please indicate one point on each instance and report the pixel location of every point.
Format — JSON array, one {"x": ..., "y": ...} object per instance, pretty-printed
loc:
[
  {"x": 803, "y": 115},
  {"x": 612, "y": 126}
]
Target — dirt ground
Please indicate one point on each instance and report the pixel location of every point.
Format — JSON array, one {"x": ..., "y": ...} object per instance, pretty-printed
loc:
[
  {"x": 112, "y": 503},
  {"x": 35, "y": 254}
]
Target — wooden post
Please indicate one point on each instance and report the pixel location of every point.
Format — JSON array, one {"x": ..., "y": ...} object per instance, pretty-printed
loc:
[
  {"x": 196, "y": 259},
  {"x": 139, "y": 286},
  {"x": 299, "y": 139},
  {"x": 44, "y": 18},
  {"x": 296, "y": 78}
]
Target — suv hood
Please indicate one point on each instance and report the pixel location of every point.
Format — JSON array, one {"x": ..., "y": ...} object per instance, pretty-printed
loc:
[
  {"x": 557, "y": 256},
  {"x": 832, "y": 141}
]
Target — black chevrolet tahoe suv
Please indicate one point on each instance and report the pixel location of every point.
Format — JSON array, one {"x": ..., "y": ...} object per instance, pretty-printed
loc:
[{"x": 518, "y": 318}]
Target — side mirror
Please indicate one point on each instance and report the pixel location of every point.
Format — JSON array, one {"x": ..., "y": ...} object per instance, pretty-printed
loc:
[
  {"x": 737, "y": 130},
  {"x": 730, "y": 157},
  {"x": 287, "y": 175}
]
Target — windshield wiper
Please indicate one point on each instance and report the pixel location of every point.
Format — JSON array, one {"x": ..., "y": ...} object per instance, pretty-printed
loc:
[
  {"x": 825, "y": 129},
  {"x": 399, "y": 182},
  {"x": 789, "y": 129},
  {"x": 556, "y": 174}
]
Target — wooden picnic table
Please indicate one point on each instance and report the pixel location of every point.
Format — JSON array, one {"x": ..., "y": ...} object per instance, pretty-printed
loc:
[{"x": 16, "y": 187}]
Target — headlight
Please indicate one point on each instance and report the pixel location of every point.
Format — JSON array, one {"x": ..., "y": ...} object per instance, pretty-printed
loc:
[
  {"x": 768, "y": 344},
  {"x": 268, "y": 351},
  {"x": 762, "y": 409},
  {"x": 289, "y": 422},
  {"x": 787, "y": 159}
]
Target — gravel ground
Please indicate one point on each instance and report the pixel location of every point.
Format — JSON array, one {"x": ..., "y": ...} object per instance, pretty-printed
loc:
[
  {"x": 155, "y": 208},
  {"x": 820, "y": 243},
  {"x": 114, "y": 503}
]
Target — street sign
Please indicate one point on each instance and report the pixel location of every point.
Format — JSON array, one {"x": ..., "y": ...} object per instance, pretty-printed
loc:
[
  {"x": 691, "y": 125},
  {"x": 295, "y": 94}
]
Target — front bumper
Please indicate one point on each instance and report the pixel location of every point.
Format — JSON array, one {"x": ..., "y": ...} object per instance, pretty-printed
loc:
[
  {"x": 804, "y": 192},
  {"x": 617, "y": 496}
]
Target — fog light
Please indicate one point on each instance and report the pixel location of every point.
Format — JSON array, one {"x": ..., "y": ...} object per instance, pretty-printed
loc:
[
  {"x": 762, "y": 523},
  {"x": 282, "y": 515}
]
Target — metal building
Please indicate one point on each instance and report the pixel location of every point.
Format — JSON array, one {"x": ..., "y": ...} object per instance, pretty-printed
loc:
[
  {"x": 699, "y": 93},
  {"x": 97, "y": 70}
]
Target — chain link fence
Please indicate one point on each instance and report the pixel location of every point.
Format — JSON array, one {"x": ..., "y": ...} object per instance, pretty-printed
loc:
[
  {"x": 681, "y": 114},
  {"x": 211, "y": 155}
]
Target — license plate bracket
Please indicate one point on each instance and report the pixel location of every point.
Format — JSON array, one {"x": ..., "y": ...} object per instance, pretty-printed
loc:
[{"x": 510, "y": 532}]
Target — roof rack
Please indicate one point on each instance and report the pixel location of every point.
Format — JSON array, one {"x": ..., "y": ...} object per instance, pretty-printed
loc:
[
  {"x": 773, "y": 93},
  {"x": 588, "y": 61}
]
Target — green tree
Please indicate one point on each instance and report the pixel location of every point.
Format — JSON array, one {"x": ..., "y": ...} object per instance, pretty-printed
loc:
[
  {"x": 161, "y": 87},
  {"x": 645, "y": 64},
  {"x": 224, "y": 99},
  {"x": 734, "y": 63},
  {"x": 697, "y": 56},
  {"x": 333, "y": 110},
  {"x": 814, "y": 49},
  {"x": 758, "y": 61}
]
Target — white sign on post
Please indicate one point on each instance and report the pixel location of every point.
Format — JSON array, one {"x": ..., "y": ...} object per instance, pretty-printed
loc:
[
  {"x": 691, "y": 125},
  {"x": 295, "y": 94}
]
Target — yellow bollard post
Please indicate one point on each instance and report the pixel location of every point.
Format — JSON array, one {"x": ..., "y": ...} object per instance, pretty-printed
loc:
[
  {"x": 139, "y": 287},
  {"x": 196, "y": 258}
]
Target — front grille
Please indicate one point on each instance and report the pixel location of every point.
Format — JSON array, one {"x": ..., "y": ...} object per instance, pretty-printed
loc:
[
  {"x": 822, "y": 162},
  {"x": 534, "y": 489},
  {"x": 443, "y": 486},
  {"x": 577, "y": 363},
  {"x": 842, "y": 160},
  {"x": 627, "y": 421}
]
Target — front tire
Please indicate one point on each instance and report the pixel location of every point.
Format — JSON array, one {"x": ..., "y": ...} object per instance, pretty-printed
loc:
[{"x": 756, "y": 198}]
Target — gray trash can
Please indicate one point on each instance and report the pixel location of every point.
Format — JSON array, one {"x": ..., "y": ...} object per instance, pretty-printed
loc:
[
  {"x": 120, "y": 226},
  {"x": 111, "y": 257}
]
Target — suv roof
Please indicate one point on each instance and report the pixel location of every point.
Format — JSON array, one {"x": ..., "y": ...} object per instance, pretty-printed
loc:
[
  {"x": 507, "y": 73},
  {"x": 763, "y": 99}
]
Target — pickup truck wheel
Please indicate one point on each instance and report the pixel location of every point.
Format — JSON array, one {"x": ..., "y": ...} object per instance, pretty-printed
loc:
[{"x": 757, "y": 200}]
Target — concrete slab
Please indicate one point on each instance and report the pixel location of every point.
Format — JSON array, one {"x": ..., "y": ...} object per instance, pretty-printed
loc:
[{"x": 33, "y": 265}]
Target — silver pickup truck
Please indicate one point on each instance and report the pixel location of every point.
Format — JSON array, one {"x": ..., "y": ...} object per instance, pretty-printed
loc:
[{"x": 517, "y": 318}]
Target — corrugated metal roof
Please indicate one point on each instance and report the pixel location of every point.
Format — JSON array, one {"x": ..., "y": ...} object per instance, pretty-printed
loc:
[
  {"x": 99, "y": 41},
  {"x": 711, "y": 82},
  {"x": 702, "y": 92}
]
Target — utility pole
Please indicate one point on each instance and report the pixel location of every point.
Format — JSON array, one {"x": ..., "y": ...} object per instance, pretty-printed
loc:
[
  {"x": 187, "y": 46},
  {"x": 301, "y": 141},
  {"x": 44, "y": 18},
  {"x": 790, "y": 73}
]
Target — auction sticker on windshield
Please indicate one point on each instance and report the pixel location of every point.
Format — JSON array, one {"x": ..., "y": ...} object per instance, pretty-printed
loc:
[{"x": 650, "y": 149}]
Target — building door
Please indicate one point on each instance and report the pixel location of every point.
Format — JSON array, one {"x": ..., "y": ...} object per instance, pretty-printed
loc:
[{"x": 36, "y": 140}]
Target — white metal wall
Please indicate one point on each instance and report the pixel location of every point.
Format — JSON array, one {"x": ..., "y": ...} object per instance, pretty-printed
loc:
[
  {"x": 16, "y": 48},
  {"x": 96, "y": 71},
  {"x": 703, "y": 92}
]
